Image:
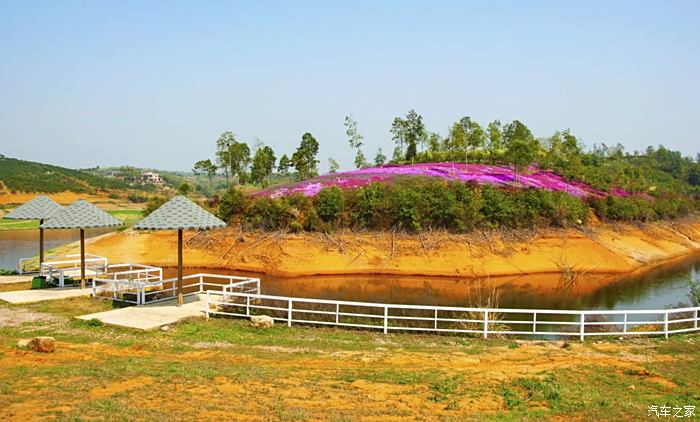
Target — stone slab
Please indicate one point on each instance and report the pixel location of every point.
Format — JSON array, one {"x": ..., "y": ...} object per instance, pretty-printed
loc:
[
  {"x": 40, "y": 295},
  {"x": 11, "y": 279},
  {"x": 148, "y": 317}
]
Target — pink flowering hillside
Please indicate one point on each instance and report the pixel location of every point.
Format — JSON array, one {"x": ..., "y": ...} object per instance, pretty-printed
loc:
[{"x": 475, "y": 173}]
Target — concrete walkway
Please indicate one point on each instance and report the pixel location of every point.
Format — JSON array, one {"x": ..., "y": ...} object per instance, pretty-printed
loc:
[
  {"x": 40, "y": 295},
  {"x": 152, "y": 316},
  {"x": 11, "y": 279}
]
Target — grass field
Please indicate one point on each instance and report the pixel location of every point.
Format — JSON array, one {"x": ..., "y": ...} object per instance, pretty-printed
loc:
[
  {"x": 129, "y": 217},
  {"x": 223, "y": 369}
]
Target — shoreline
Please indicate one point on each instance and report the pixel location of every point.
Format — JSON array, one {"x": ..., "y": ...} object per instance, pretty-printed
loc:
[{"x": 613, "y": 250}]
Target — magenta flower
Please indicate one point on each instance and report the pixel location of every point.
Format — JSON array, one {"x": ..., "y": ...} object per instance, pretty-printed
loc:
[{"x": 475, "y": 173}]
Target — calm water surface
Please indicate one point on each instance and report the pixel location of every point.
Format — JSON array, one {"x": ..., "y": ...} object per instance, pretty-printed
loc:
[
  {"x": 664, "y": 286},
  {"x": 16, "y": 244}
]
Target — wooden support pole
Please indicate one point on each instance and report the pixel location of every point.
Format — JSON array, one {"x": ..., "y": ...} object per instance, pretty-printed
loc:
[
  {"x": 82, "y": 258},
  {"x": 41, "y": 242},
  {"x": 180, "y": 300}
]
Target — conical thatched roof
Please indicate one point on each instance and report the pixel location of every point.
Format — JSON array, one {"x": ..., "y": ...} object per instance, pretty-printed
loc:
[
  {"x": 179, "y": 213},
  {"x": 81, "y": 215},
  {"x": 40, "y": 208}
]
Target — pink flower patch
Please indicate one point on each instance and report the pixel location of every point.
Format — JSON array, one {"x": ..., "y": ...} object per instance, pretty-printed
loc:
[{"x": 474, "y": 173}]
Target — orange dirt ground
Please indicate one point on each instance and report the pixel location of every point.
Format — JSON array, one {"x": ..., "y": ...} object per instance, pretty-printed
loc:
[
  {"x": 312, "y": 385},
  {"x": 602, "y": 249}
]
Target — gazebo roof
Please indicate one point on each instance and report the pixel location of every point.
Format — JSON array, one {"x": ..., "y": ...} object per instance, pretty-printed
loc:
[
  {"x": 40, "y": 208},
  {"x": 81, "y": 215},
  {"x": 179, "y": 213}
]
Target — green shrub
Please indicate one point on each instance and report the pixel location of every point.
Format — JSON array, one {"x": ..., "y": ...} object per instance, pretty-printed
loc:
[
  {"x": 420, "y": 204},
  {"x": 269, "y": 214},
  {"x": 371, "y": 207},
  {"x": 232, "y": 203},
  {"x": 408, "y": 213},
  {"x": 498, "y": 209},
  {"x": 153, "y": 204},
  {"x": 329, "y": 204},
  {"x": 137, "y": 199}
]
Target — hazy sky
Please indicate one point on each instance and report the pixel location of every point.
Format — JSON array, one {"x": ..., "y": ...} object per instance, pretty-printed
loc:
[{"x": 153, "y": 84}]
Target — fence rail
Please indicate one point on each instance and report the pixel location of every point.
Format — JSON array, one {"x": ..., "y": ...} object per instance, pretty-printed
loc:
[
  {"x": 139, "y": 286},
  {"x": 56, "y": 262},
  {"x": 60, "y": 267},
  {"x": 444, "y": 319}
]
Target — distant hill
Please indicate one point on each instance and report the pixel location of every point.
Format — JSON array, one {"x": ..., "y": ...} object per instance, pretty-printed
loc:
[{"x": 28, "y": 176}]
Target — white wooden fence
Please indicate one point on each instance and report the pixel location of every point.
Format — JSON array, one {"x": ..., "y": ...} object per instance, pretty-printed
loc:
[{"x": 481, "y": 321}]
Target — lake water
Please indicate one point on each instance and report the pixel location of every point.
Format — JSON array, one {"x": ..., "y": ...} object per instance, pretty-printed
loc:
[
  {"x": 16, "y": 244},
  {"x": 663, "y": 286},
  {"x": 667, "y": 285}
]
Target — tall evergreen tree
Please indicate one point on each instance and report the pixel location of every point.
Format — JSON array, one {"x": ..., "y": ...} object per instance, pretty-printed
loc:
[{"x": 304, "y": 158}]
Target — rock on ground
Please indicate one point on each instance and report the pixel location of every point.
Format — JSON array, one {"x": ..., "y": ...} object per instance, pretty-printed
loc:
[
  {"x": 261, "y": 321},
  {"x": 38, "y": 344}
]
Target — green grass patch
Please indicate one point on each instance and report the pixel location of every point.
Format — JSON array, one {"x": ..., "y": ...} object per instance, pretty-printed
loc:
[
  {"x": 18, "y": 224},
  {"x": 129, "y": 217}
]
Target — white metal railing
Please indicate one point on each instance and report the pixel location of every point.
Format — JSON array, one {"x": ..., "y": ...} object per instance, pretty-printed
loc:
[
  {"x": 201, "y": 283},
  {"x": 481, "y": 321},
  {"x": 125, "y": 282},
  {"x": 136, "y": 288},
  {"x": 140, "y": 272},
  {"x": 21, "y": 266},
  {"x": 60, "y": 267},
  {"x": 52, "y": 260}
]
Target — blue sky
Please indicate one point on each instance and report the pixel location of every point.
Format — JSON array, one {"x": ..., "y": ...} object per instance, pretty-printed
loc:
[{"x": 154, "y": 83}]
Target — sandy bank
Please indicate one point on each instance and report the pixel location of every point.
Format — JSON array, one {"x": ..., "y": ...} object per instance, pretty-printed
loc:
[{"x": 603, "y": 249}]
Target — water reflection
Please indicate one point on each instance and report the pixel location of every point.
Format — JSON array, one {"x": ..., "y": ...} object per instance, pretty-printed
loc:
[
  {"x": 653, "y": 290},
  {"x": 16, "y": 244}
]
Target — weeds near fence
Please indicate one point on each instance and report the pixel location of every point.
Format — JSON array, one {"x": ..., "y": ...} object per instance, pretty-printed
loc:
[{"x": 489, "y": 301}]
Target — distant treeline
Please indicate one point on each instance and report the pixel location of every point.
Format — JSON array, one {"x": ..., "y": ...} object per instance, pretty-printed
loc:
[
  {"x": 27, "y": 176},
  {"x": 655, "y": 170}
]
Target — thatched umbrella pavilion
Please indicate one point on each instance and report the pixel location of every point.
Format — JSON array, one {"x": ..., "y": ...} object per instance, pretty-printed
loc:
[
  {"x": 179, "y": 214},
  {"x": 40, "y": 208},
  {"x": 81, "y": 215}
]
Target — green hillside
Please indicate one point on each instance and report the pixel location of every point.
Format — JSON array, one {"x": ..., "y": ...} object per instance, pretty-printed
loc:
[{"x": 27, "y": 176}]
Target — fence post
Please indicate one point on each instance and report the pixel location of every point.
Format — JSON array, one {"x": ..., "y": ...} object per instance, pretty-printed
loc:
[
  {"x": 386, "y": 319},
  {"x": 289, "y": 314},
  {"x": 247, "y": 304},
  {"x": 486, "y": 324},
  {"x": 666, "y": 324},
  {"x": 624, "y": 324},
  {"x": 696, "y": 319},
  {"x": 534, "y": 322},
  {"x": 436, "y": 315},
  {"x": 337, "y": 313},
  {"x": 583, "y": 321},
  {"x": 201, "y": 284}
]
